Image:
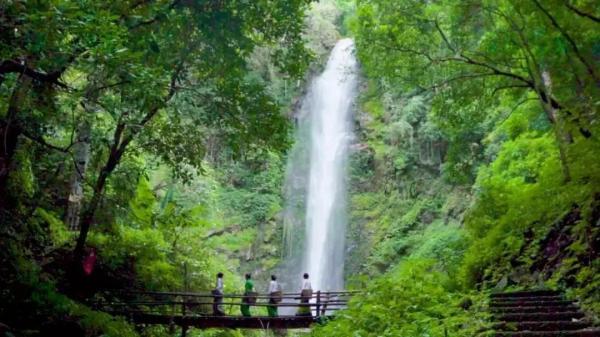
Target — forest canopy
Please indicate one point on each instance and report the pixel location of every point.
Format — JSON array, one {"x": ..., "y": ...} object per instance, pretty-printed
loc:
[{"x": 110, "y": 79}]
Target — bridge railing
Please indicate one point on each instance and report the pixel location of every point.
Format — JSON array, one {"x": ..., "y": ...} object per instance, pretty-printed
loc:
[{"x": 203, "y": 304}]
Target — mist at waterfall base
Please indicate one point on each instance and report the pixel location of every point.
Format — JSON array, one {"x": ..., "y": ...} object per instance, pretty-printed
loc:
[{"x": 315, "y": 191}]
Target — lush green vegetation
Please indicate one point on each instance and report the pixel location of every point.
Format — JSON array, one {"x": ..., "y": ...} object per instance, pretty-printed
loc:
[
  {"x": 153, "y": 132},
  {"x": 156, "y": 132},
  {"x": 479, "y": 129}
]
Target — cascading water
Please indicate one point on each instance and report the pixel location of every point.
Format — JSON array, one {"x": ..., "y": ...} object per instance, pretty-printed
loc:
[{"x": 326, "y": 120}]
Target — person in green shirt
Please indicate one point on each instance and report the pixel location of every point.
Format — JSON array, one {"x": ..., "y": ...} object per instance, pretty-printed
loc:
[{"x": 248, "y": 289}]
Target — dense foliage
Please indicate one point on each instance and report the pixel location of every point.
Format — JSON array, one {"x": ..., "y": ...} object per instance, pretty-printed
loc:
[
  {"x": 479, "y": 129},
  {"x": 138, "y": 128}
]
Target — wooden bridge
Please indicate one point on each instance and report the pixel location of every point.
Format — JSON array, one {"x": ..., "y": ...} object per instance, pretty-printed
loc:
[{"x": 188, "y": 309}]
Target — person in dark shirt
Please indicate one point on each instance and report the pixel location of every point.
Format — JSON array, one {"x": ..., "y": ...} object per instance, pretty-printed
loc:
[
  {"x": 218, "y": 296},
  {"x": 306, "y": 295},
  {"x": 274, "y": 296}
]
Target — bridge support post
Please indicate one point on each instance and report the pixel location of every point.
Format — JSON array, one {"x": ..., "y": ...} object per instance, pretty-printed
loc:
[
  {"x": 318, "y": 303},
  {"x": 185, "y": 288},
  {"x": 184, "y": 327},
  {"x": 184, "y": 330}
]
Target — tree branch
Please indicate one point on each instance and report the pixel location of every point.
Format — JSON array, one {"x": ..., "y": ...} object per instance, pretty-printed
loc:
[
  {"x": 497, "y": 71},
  {"x": 569, "y": 39},
  {"x": 512, "y": 86},
  {"x": 460, "y": 77},
  {"x": 133, "y": 132},
  {"x": 112, "y": 85},
  {"x": 463, "y": 58},
  {"x": 439, "y": 29},
  {"x": 11, "y": 66},
  {"x": 523, "y": 101},
  {"x": 44, "y": 143},
  {"x": 582, "y": 13},
  {"x": 155, "y": 18},
  {"x": 117, "y": 150}
]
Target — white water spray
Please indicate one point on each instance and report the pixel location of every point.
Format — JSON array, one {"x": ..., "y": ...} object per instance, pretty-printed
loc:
[{"x": 329, "y": 107}]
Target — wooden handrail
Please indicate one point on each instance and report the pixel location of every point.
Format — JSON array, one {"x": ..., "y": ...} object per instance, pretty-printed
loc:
[
  {"x": 283, "y": 304},
  {"x": 234, "y": 295},
  {"x": 190, "y": 304}
]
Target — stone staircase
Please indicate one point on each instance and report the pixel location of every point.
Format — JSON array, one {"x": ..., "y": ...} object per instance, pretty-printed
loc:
[{"x": 539, "y": 313}]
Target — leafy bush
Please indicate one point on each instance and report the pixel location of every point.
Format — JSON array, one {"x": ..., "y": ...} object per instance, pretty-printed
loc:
[
  {"x": 414, "y": 299},
  {"x": 522, "y": 190}
]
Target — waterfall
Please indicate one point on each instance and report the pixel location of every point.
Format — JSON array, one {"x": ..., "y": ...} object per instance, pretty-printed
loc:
[{"x": 322, "y": 141}]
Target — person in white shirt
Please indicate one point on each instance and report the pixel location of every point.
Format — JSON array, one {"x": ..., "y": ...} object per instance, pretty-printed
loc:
[
  {"x": 306, "y": 283},
  {"x": 274, "y": 296},
  {"x": 306, "y": 294},
  {"x": 218, "y": 296},
  {"x": 219, "y": 286}
]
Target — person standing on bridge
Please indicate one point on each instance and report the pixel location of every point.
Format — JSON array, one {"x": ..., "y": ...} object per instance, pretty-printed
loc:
[
  {"x": 247, "y": 299},
  {"x": 274, "y": 296},
  {"x": 218, "y": 296},
  {"x": 305, "y": 296}
]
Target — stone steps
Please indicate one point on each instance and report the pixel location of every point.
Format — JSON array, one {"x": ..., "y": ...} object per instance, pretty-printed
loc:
[
  {"x": 528, "y": 298},
  {"x": 578, "y": 333},
  {"x": 537, "y": 313},
  {"x": 539, "y": 325},
  {"x": 530, "y": 293},
  {"x": 534, "y": 309},
  {"x": 540, "y": 316},
  {"x": 529, "y": 303}
]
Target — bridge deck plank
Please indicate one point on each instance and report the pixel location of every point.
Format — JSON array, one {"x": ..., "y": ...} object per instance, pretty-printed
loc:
[{"x": 232, "y": 322}]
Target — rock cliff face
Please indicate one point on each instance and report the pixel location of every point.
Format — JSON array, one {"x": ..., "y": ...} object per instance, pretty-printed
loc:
[{"x": 397, "y": 192}]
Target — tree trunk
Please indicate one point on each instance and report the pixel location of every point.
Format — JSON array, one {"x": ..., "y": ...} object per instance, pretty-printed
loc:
[
  {"x": 9, "y": 134},
  {"x": 10, "y": 129},
  {"x": 81, "y": 158},
  {"x": 562, "y": 137},
  {"x": 120, "y": 143},
  {"x": 88, "y": 215}
]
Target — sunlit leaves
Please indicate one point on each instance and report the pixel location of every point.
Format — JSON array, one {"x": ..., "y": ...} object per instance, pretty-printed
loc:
[{"x": 414, "y": 299}]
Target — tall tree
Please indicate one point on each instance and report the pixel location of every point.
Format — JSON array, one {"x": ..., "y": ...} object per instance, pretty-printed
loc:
[
  {"x": 146, "y": 76},
  {"x": 473, "y": 53}
]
